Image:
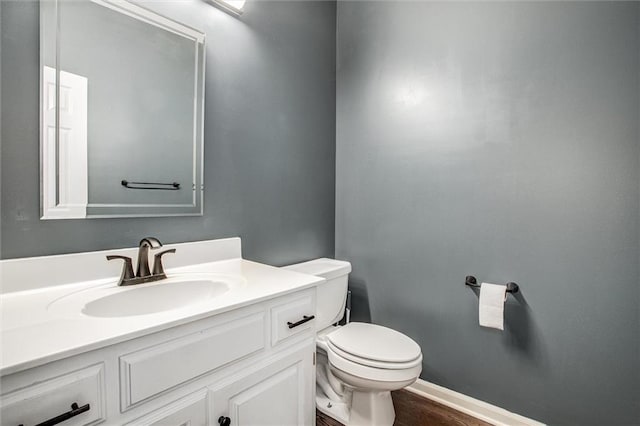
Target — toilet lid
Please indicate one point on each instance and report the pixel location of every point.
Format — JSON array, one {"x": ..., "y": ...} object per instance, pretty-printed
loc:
[{"x": 374, "y": 342}]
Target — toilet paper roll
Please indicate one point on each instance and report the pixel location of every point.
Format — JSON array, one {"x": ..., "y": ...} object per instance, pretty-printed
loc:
[{"x": 491, "y": 309}]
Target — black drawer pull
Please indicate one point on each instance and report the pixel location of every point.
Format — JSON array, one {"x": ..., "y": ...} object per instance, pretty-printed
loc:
[
  {"x": 302, "y": 321},
  {"x": 75, "y": 410}
]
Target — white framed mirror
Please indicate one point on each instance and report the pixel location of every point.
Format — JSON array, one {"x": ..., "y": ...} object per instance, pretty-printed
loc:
[{"x": 122, "y": 105}]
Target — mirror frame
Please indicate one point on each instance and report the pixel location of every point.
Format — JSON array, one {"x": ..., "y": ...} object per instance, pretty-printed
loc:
[{"x": 49, "y": 165}]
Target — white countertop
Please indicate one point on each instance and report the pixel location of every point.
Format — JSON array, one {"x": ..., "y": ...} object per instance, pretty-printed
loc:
[{"x": 33, "y": 335}]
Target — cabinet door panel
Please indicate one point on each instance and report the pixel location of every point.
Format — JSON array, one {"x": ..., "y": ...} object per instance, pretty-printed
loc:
[
  {"x": 279, "y": 394},
  {"x": 258, "y": 405},
  {"x": 188, "y": 411}
]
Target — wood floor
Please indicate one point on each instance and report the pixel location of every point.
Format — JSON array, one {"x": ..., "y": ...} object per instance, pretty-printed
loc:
[{"x": 413, "y": 410}]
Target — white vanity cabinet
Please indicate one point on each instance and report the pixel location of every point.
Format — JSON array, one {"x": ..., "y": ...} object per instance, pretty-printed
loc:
[{"x": 241, "y": 367}]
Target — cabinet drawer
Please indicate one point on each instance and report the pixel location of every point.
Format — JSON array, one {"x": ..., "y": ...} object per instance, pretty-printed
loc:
[
  {"x": 291, "y": 318},
  {"x": 148, "y": 372},
  {"x": 51, "y": 398}
]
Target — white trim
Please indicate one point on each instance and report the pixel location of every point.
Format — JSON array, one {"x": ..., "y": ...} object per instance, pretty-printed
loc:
[
  {"x": 228, "y": 7},
  {"x": 471, "y": 406},
  {"x": 145, "y": 15}
]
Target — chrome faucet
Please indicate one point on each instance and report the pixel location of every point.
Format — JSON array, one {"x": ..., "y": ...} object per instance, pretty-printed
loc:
[{"x": 143, "y": 274}]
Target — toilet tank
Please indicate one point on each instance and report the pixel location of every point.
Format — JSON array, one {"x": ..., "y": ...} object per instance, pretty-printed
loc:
[{"x": 331, "y": 296}]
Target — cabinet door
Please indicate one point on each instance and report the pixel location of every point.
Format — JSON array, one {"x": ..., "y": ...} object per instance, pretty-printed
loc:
[
  {"x": 280, "y": 393},
  {"x": 188, "y": 411}
]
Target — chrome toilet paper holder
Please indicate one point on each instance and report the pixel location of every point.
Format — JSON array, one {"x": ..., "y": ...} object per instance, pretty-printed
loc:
[{"x": 471, "y": 281}]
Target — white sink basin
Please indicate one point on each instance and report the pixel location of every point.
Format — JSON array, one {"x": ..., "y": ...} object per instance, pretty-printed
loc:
[
  {"x": 152, "y": 299},
  {"x": 111, "y": 301}
]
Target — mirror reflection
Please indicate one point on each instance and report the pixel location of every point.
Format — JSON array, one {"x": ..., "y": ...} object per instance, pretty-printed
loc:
[{"x": 122, "y": 107}]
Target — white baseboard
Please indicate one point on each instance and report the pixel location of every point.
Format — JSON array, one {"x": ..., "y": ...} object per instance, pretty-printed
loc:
[{"x": 471, "y": 406}]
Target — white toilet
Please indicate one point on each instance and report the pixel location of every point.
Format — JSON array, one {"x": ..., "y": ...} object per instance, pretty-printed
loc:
[{"x": 359, "y": 364}]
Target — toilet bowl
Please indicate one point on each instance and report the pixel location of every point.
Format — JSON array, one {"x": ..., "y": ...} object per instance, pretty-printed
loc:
[{"x": 358, "y": 364}]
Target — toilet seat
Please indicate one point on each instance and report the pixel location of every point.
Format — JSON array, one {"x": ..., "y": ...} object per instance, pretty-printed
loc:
[
  {"x": 373, "y": 352},
  {"x": 364, "y": 341},
  {"x": 374, "y": 373},
  {"x": 373, "y": 363}
]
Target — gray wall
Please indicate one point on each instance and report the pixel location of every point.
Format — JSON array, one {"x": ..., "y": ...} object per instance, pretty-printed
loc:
[
  {"x": 269, "y": 136},
  {"x": 499, "y": 140}
]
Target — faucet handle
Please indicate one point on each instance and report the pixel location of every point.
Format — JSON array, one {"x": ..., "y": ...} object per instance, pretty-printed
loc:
[
  {"x": 158, "y": 269},
  {"x": 127, "y": 267}
]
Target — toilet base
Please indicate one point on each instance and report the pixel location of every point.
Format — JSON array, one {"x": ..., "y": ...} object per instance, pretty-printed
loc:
[
  {"x": 336, "y": 410},
  {"x": 372, "y": 408},
  {"x": 366, "y": 409}
]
